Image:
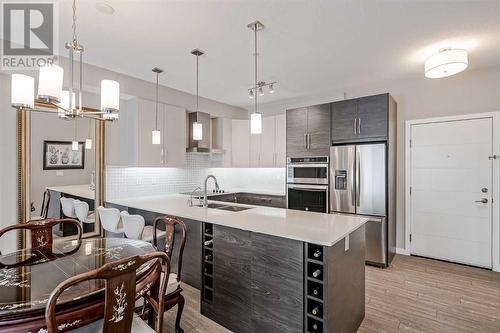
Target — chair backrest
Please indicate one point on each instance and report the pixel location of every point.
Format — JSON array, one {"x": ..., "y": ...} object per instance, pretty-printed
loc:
[
  {"x": 68, "y": 207},
  {"x": 81, "y": 210},
  {"x": 170, "y": 223},
  {"x": 133, "y": 225},
  {"x": 120, "y": 292},
  {"x": 41, "y": 231},
  {"x": 45, "y": 204},
  {"x": 110, "y": 217}
]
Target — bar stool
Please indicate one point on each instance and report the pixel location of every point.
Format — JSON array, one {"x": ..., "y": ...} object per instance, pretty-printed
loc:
[
  {"x": 135, "y": 228},
  {"x": 68, "y": 207},
  {"x": 110, "y": 220},
  {"x": 82, "y": 213}
]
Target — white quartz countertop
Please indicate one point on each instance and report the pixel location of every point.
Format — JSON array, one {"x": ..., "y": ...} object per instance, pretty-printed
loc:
[
  {"x": 317, "y": 228},
  {"x": 82, "y": 191}
]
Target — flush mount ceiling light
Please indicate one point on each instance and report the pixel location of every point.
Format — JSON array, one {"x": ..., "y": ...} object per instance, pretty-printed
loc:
[
  {"x": 64, "y": 103},
  {"x": 445, "y": 63},
  {"x": 257, "y": 89},
  {"x": 197, "y": 126},
  {"x": 155, "y": 133},
  {"x": 104, "y": 8}
]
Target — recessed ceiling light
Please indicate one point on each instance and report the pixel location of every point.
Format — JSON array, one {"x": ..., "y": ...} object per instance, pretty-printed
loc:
[
  {"x": 104, "y": 8},
  {"x": 445, "y": 63}
]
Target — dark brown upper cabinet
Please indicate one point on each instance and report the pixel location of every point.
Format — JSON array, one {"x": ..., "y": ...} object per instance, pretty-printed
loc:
[
  {"x": 308, "y": 131},
  {"x": 360, "y": 119}
]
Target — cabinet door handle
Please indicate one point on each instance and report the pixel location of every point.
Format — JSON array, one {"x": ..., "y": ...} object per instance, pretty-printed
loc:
[
  {"x": 305, "y": 140},
  {"x": 309, "y": 141},
  {"x": 359, "y": 125},
  {"x": 355, "y": 125},
  {"x": 162, "y": 156}
]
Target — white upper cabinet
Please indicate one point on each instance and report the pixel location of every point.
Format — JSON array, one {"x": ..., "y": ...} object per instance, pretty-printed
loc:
[
  {"x": 280, "y": 143},
  {"x": 266, "y": 150},
  {"x": 268, "y": 143},
  {"x": 240, "y": 142},
  {"x": 174, "y": 136},
  {"x": 150, "y": 155},
  {"x": 129, "y": 141}
]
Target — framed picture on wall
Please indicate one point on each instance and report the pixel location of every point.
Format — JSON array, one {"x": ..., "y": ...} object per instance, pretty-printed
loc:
[{"x": 59, "y": 155}]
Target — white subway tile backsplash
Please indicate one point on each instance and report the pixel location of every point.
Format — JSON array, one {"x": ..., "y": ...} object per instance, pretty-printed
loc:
[{"x": 122, "y": 182}]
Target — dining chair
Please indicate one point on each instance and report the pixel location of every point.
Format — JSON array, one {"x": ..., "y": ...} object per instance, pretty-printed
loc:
[
  {"x": 173, "y": 291},
  {"x": 82, "y": 213},
  {"x": 135, "y": 227},
  {"x": 41, "y": 231},
  {"x": 121, "y": 291},
  {"x": 110, "y": 220},
  {"x": 68, "y": 208}
]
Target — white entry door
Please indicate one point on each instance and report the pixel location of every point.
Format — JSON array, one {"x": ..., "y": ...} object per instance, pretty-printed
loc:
[{"x": 451, "y": 184}]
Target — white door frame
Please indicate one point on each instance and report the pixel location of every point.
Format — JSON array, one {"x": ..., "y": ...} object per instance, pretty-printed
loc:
[{"x": 495, "y": 116}]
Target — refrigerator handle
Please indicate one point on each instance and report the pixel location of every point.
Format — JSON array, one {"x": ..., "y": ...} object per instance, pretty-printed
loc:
[
  {"x": 358, "y": 178},
  {"x": 353, "y": 179}
]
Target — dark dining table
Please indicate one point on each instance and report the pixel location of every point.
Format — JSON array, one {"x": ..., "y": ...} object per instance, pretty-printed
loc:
[{"x": 28, "y": 277}]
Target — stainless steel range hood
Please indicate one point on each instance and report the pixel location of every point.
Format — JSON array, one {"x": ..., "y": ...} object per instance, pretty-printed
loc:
[{"x": 203, "y": 145}]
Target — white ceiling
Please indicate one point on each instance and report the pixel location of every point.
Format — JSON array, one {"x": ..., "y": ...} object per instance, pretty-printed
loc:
[{"x": 308, "y": 46}]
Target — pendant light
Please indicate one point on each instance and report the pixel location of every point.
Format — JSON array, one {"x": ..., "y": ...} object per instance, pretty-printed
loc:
[
  {"x": 74, "y": 143},
  {"x": 445, "y": 63},
  {"x": 88, "y": 141},
  {"x": 258, "y": 88},
  {"x": 156, "y": 133},
  {"x": 50, "y": 92},
  {"x": 197, "y": 126}
]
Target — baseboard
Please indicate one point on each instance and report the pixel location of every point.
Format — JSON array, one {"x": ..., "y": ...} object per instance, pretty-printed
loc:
[{"x": 402, "y": 251}]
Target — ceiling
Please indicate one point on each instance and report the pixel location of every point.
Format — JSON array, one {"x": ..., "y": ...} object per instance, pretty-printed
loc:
[{"x": 308, "y": 46}]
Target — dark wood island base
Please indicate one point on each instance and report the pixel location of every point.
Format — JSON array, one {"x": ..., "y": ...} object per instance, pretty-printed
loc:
[{"x": 259, "y": 283}]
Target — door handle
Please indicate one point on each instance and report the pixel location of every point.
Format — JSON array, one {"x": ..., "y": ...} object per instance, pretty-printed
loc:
[
  {"x": 483, "y": 200},
  {"x": 305, "y": 140},
  {"x": 355, "y": 125},
  {"x": 359, "y": 125}
]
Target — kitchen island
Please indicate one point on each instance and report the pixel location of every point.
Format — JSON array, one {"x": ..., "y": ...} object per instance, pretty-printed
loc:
[{"x": 267, "y": 269}]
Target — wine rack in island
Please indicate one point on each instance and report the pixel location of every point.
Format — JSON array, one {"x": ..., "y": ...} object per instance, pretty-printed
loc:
[
  {"x": 208, "y": 262},
  {"x": 315, "y": 288}
]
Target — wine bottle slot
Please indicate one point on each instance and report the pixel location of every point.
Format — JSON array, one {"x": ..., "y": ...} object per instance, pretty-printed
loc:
[
  {"x": 317, "y": 254},
  {"x": 316, "y": 291},
  {"x": 209, "y": 242},
  {"x": 317, "y": 273},
  {"x": 316, "y": 310}
]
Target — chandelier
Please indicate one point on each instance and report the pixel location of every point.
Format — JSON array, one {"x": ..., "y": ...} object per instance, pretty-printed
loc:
[
  {"x": 258, "y": 88},
  {"x": 52, "y": 98}
]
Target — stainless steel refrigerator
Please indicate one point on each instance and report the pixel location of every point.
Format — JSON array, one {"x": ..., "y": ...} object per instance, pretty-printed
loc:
[{"x": 358, "y": 175}]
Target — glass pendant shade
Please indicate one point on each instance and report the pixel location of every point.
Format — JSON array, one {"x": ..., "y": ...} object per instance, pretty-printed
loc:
[
  {"x": 197, "y": 131},
  {"x": 22, "y": 91},
  {"x": 88, "y": 144},
  {"x": 256, "y": 123},
  {"x": 446, "y": 63},
  {"x": 110, "y": 96},
  {"x": 74, "y": 145},
  {"x": 65, "y": 100},
  {"x": 50, "y": 81},
  {"x": 156, "y": 137}
]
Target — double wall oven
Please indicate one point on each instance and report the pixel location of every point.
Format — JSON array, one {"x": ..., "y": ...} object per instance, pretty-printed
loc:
[{"x": 307, "y": 183}]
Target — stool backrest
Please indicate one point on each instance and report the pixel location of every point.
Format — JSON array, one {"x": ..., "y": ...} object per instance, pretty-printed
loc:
[
  {"x": 110, "y": 217},
  {"x": 81, "y": 210},
  {"x": 133, "y": 225},
  {"x": 68, "y": 207}
]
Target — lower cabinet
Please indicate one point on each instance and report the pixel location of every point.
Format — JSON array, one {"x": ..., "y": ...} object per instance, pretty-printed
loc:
[{"x": 257, "y": 282}]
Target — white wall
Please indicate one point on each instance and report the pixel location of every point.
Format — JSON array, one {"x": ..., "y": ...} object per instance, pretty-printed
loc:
[{"x": 468, "y": 92}]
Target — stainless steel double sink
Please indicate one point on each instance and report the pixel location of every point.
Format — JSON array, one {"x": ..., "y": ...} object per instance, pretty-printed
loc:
[{"x": 226, "y": 207}]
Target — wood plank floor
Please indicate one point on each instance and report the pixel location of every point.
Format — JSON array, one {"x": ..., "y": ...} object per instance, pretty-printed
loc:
[{"x": 413, "y": 295}]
